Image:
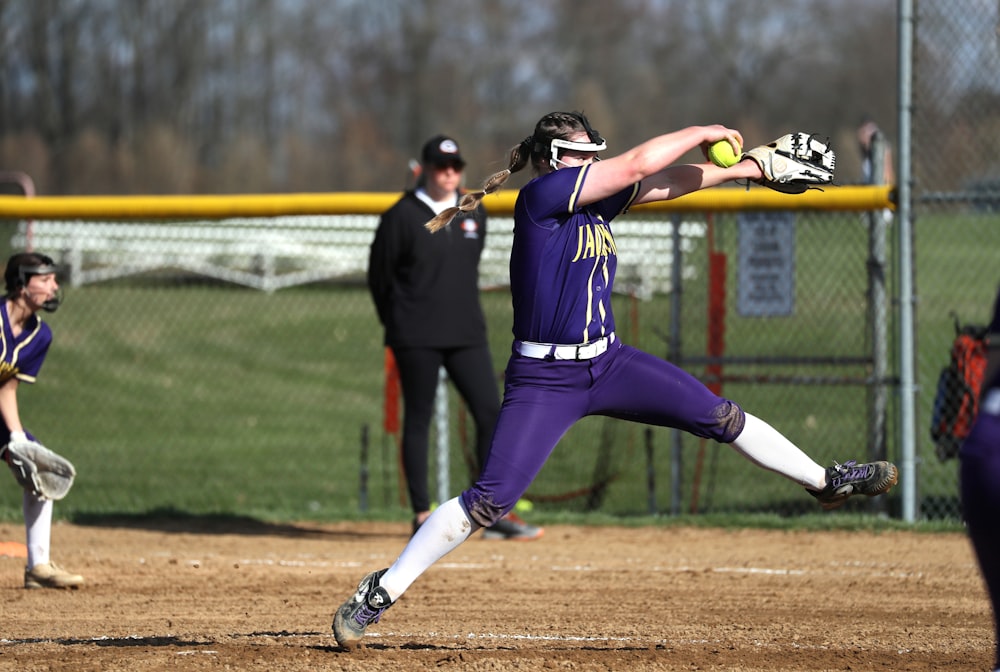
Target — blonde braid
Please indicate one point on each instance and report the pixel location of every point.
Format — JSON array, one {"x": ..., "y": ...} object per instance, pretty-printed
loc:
[{"x": 519, "y": 156}]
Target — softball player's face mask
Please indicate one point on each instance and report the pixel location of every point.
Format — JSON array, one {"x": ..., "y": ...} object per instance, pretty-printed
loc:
[
  {"x": 586, "y": 147},
  {"x": 52, "y": 305},
  {"x": 596, "y": 144}
]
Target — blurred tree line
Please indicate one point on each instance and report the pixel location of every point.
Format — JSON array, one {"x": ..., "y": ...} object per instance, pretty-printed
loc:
[{"x": 258, "y": 96}]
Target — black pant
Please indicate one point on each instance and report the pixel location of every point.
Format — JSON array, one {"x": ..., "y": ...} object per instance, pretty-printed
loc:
[{"x": 470, "y": 369}]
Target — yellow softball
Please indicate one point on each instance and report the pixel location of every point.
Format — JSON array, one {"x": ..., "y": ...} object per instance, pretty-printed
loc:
[{"x": 721, "y": 154}]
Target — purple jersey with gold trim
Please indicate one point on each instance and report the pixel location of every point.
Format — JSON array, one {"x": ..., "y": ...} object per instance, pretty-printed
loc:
[
  {"x": 563, "y": 259},
  {"x": 22, "y": 357}
]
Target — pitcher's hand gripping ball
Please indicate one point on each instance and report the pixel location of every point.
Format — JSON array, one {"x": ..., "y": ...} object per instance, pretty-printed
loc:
[
  {"x": 721, "y": 153},
  {"x": 37, "y": 469},
  {"x": 794, "y": 163}
]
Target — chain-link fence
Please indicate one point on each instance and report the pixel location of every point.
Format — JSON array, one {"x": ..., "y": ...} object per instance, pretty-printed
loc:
[
  {"x": 171, "y": 363},
  {"x": 956, "y": 204}
]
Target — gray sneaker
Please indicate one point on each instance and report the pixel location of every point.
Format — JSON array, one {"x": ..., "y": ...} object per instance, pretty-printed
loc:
[
  {"x": 851, "y": 478},
  {"x": 361, "y": 610},
  {"x": 512, "y": 528}
]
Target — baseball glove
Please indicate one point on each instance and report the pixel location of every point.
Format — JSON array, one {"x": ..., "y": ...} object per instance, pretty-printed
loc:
[
  {"x": 39, "y": 470},
  {"x": 794, "y": 163}
]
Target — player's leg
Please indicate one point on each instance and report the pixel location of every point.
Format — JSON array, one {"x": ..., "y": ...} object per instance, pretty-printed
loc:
[
  {"x": 40, "y": 571},
  {"x": 979, "y": 476},
  {"x": 471, "y": 371},
  {"x": 37, "y": 528},
  {"x": 445, "y": 530},
  {"x": 418, "y": 377},
  {"x": 531, "y": 422},
  {"x": 648, "y": 389},
  {"x": 541, "y": 401},
  {"x": 633, "y": 385},
  {"x": 768, "y": 448},
  {"x": 638, "y": 386}
]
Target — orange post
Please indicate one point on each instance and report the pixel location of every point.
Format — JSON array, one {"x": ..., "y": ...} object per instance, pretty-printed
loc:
[
  {"x": 390, "y": 416},
  {"x": 716, "y": 344}
]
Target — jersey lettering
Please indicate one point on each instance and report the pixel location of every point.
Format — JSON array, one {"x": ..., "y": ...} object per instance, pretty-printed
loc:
[{"x": 594, "y": 240}]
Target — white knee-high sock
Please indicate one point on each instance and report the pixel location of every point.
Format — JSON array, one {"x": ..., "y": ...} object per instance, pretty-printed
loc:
[
  {"x": 37, "y": 528},
  {"x": 766, "y": 447},
  {"x": 440, "y": 534}
]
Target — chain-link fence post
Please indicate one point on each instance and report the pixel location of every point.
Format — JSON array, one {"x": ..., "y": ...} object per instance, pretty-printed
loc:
[{"x": 878, "y": 225}]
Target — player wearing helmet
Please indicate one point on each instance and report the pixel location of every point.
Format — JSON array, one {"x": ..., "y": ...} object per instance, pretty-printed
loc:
[
  {"x": 31, "y": 287},
  {"x": 567, "y": 361}
]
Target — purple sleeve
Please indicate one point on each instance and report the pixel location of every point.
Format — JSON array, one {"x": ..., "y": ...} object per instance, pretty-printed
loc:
[
  {"x": 550, "y": 199},
  {"x": 32, "y": 354}
]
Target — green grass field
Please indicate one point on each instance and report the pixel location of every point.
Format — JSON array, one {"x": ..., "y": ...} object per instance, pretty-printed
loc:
[{"x": 181, "y": 397}]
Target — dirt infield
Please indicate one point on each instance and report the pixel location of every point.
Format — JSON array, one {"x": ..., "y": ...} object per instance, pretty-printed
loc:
[{"x": 242, "y": 595}]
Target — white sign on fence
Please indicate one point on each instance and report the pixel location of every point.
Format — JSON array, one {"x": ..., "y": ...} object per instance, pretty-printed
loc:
[{"x": 766, "y": 269}]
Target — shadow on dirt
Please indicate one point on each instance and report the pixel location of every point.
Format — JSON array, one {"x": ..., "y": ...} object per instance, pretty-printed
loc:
[
  {"x": 177, "y": 521},
  {"x": 166, "y": 640}
]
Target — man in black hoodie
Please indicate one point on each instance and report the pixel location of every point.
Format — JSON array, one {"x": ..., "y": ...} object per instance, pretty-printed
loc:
[{"x": 426, "y": 290}]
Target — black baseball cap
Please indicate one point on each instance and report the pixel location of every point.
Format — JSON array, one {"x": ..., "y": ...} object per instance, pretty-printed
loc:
[{"x": 442, "y": 150}]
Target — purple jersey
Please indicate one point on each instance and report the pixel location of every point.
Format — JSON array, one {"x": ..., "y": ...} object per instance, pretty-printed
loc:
[
  {"x": 563, "y": 260},
  {"x": 562, "y": 268},
  {"x": 22, "y": 357}
]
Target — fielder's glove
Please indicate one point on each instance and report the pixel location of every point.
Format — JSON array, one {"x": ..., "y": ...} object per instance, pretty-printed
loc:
[
  {"x": 794, "y": 163},
  {"x": 37, "y": 469}
]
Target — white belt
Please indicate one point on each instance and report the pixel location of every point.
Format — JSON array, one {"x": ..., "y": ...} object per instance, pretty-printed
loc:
[{"x": 572, "y": 352}]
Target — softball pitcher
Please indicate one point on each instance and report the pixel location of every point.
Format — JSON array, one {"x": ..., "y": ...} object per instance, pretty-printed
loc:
[
  {"x": 566, "y": 360},
  {"x": 426, "y": 291}
]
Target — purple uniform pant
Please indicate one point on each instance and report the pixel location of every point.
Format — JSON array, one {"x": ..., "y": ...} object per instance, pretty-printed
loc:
[
  {"x": 543, "y": 399},
  {"x": 979, "y": 479}
]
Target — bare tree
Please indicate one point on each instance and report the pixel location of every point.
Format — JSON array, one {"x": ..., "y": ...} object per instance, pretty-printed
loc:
[{"x": 308, "y": 95}]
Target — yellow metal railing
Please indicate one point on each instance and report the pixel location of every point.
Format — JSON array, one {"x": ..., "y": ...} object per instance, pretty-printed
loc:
[{"x": 502, "y": 203}]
